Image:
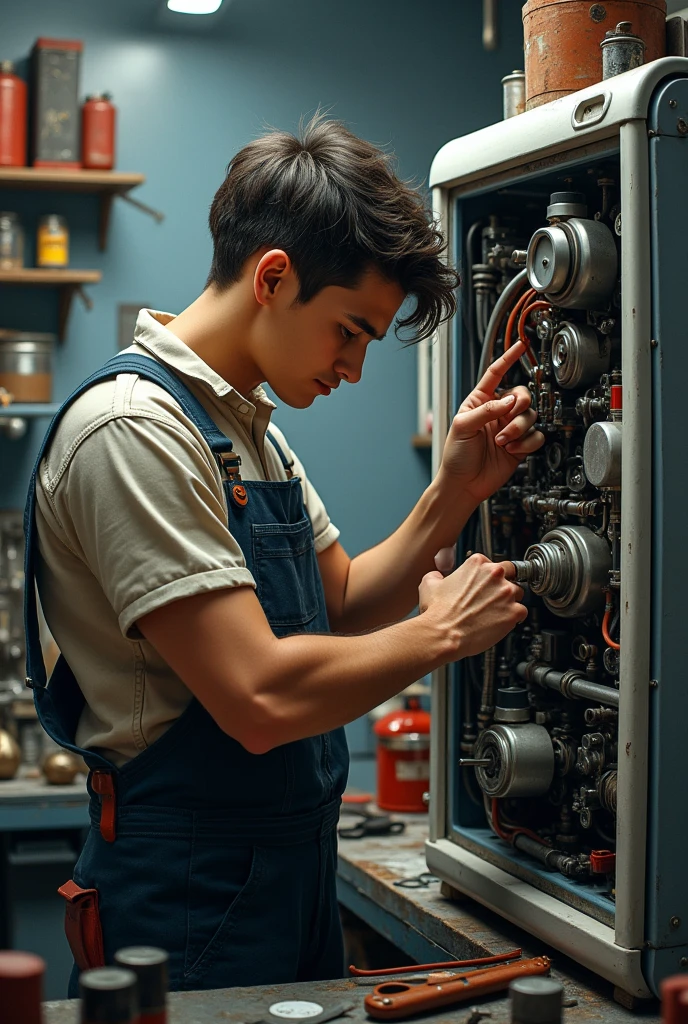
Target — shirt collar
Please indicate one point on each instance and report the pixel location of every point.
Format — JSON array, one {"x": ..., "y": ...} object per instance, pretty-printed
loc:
[{"x": 151, "y": 333}]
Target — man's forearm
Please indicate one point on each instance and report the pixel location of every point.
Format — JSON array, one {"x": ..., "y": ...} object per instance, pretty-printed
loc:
[
  {"x": 315, "y": 683},
  {"x": 382, "y": 585}
]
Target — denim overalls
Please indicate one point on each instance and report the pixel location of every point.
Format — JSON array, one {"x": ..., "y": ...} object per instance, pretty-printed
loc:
[{"x": 226, "y": 859}]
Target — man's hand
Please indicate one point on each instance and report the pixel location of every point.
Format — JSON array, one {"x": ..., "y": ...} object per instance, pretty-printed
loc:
[
  {"x": 477, "y": 604},
  {"x": 489, "y": 436}
]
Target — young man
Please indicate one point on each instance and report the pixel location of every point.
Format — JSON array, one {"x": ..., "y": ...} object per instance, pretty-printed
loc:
[{"x": 191, "y": 576}]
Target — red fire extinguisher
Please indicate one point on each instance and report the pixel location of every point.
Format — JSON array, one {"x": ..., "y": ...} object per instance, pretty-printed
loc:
[
  {"x": 98, "y": 133},
  {"x": 403, "y": 758},
  {"x": 12, "y": 117}
]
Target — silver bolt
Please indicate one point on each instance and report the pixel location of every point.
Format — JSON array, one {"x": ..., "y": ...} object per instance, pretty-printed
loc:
[
  {"x": 675, "y": 922},
  {"x": 654, "y": 683},
  {"x": 654, "y": 343},
  {"x": 673, "y": 104},
  {"x": 683, "y": 962},
  {"x": 545, "y": 262},
  {"x": 387, "y": 1002}
]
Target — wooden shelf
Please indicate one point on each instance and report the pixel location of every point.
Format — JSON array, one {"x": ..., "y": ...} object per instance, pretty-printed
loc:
[
  {"x": 41, "y": 275},
  {"x": 422, "y": 440},
  {"x": 70, "y": 283},
  {"x": 28, "y": 410},
  {"x": 106, "y": 184}
]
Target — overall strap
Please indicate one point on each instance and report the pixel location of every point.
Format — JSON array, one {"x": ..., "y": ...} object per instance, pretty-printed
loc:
[
  {"x": 287, "y": 463},
  {"x": 145, "y": 367}
]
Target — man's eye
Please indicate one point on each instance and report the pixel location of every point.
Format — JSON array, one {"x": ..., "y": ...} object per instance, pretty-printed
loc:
[{"x": 346, "y": 333}]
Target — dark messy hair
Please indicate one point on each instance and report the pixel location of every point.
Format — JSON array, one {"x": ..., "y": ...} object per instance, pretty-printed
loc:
[{"x": 336, "y": 207}]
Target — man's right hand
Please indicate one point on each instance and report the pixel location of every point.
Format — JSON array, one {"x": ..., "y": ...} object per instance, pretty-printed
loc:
[{"x": 478, "y": 604}]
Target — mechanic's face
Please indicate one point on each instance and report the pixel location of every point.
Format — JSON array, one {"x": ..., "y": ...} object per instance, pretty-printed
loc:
[{"x": 306, "y": 350}]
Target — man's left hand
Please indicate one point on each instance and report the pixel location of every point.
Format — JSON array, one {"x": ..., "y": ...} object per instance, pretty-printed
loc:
[{"x": 490, "y": 435}]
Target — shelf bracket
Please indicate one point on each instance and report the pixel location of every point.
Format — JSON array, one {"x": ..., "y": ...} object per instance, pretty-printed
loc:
[
  {"x": 155, "y": 214},
  {"x": 67, "y": 293}
]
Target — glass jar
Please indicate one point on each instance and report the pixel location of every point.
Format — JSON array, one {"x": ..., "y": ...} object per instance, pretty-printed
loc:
[
  {"x": 11, "y": 242},
  {"x": 52, "y": 248}
]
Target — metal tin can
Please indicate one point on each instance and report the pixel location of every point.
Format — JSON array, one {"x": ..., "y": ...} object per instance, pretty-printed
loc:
[
  {"x": 621, "y": 50},
  {"x": 11, "y": 241},
  {"x": 52, "y": 249},
  {"x": 98, "y": 117},
  {"x": 562, "y": 41},
  {"x": 12, "y": 117},
  {"x": 514, "y": 93},
  {"x": 26, "y": 365}
]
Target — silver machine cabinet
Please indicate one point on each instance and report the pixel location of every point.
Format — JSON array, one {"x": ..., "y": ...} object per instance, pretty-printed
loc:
[{"x": 559, "y": 757}]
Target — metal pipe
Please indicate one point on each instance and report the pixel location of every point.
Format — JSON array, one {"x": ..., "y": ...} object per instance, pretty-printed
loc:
[
  {"x": 570, "y": 684},
  {"x": 636, "y": 522},
  {"x": 498, "y": 316}
]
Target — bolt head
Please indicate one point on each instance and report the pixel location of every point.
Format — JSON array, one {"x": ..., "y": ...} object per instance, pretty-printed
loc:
[
  {"x": 675, "y": 922},
  {"x": 683, "y": 962},
  {"x": 673, "y": 104}
]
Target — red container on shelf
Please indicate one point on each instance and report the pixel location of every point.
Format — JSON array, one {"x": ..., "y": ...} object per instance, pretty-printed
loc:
[
  {"x": 13, "y": 115},
  {"x": 98, "y": 133},
  {"x": 403, "y": 759}
]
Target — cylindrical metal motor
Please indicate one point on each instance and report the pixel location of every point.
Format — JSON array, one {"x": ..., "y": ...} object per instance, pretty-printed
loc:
[
  {"x": 573, "y": 263},
  {"x": 579, "y": 357},
  {"x": 521, "y": 760},
  {"x": 602, "y": 454},
  {"x": 569, "y": 568},
  {"x": 562, "y": 41}
]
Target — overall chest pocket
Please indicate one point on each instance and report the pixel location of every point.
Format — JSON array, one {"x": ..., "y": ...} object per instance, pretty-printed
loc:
[{"x": 286, "y": 573}]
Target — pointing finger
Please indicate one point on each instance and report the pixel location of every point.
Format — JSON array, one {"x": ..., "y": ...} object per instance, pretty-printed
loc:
[{"x": 494, "y": 374}]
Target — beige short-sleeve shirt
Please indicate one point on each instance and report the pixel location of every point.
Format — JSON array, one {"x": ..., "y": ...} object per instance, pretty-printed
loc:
[{"x": 131, "y": 515}]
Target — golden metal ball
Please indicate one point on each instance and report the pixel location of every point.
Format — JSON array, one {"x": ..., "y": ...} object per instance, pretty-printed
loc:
[
  {"x": 10, "y": 755},
  {"x": 61, "y": 768}
]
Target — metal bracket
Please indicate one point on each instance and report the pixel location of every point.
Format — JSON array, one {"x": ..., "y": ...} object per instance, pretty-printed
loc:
[{"x": 155, "y": 214}]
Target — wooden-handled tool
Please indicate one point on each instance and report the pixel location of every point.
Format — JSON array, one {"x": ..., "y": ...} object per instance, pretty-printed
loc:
[{"x": 395, "y": 999}]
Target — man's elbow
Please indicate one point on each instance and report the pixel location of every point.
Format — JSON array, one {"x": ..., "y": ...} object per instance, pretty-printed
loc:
[{"x": 257, "y": 728}]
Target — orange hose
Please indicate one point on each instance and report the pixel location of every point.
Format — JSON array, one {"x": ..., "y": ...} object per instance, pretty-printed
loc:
[
  {"x": 511, "y": 322},
  {"x": 605, "y": 624}
]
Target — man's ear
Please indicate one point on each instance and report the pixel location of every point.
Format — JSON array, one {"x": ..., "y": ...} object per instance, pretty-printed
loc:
[{"x": 269, "y": 274}]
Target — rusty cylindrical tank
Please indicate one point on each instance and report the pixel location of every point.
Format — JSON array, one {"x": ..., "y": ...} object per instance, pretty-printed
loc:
[{"x": 562, "y": 41}]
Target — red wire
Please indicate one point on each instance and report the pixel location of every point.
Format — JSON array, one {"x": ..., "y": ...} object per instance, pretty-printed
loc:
[
  {"x": 526, "y": 297},
  {"x": 514, "y": 830},
  {"x": 605, "y": 624}
]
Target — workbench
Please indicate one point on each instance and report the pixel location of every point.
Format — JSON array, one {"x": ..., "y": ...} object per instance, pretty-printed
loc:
[
  {"x": 421, "y": 922},
  {"x": 41, "y": 833}
]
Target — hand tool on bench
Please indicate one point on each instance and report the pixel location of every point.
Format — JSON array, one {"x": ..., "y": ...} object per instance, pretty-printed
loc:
[{"x": 395, "y": 999}]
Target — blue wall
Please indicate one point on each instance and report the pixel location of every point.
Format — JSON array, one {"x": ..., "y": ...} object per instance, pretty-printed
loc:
[{"x": 190, "y": 92}]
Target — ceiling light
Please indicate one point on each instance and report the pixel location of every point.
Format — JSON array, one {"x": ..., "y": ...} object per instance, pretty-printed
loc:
[{"x": 194, "y": 6}]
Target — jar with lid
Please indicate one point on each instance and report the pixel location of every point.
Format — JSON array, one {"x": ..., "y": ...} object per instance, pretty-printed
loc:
[
  {"x": 52, "y": 249},
  {"x": 11, "y": 241}
]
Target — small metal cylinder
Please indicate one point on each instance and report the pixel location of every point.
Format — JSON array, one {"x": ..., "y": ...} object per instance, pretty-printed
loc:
[
  {"x": 514, "y": 93},
  {"x": 621, "y": 50},
  {"x": 602, "y": 454},
  {"x": 108, "y": 996},
  {"x": 536, "y": 1001}
]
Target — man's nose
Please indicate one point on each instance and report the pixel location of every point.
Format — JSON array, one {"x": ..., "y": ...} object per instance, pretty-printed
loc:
[{"x": 350, "y": 368}]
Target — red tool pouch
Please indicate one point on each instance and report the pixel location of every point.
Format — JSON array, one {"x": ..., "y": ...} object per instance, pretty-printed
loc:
[{"x": 82, "y": 925}]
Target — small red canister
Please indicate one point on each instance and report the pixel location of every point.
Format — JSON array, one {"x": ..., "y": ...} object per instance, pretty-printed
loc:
[
  {"x": 98, "y": 133},
  {"x": 12, "y": 117},
  {"x": 403, "y": 758}
]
